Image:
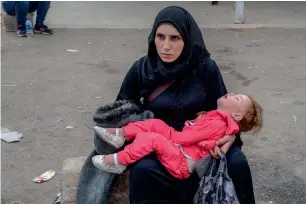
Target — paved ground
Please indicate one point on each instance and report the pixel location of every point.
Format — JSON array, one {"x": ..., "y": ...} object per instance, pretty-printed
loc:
[
  {"x": 70, "y": 14},
  {"x": 141, "y": 14},
  {"x": 50, "y": 88}
]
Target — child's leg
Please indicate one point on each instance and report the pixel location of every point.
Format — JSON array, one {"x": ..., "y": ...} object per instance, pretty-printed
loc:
[
  {"x": 168, "y": 153},
  {"x": 117, "y": 136},
  {"x": 152, "y": 125},
  {"x": 144, "y": 144}
]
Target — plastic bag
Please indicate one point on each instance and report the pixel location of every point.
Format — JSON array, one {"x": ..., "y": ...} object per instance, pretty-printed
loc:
[{"x": 216, "y": 187}]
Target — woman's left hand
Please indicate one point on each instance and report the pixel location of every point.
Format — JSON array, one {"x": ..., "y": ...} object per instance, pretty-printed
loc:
[{"x": 225, "y": 143}]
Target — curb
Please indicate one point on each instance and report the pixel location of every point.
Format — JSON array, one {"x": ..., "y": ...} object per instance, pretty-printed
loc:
[{"x": 219, "y": 26}]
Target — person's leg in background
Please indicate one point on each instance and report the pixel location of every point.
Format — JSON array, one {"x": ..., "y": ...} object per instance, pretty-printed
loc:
[
  {"x": 239, "y": 171},
  {"x": 42, "y": 8},
  {"x": 19, "y": 9}
]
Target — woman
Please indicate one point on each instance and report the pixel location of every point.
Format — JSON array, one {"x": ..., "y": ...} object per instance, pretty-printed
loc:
[{"x": 177, "y": 55}]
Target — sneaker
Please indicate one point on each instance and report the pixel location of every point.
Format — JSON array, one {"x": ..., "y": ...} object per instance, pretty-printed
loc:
[
  {"x": 42, "y": 29},
  {"x": 116, "y": 140},
  {"x": 21, "y": 32},
  {"x": 98, "y": 161}
]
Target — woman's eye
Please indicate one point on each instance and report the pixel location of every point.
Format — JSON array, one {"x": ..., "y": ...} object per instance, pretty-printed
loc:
[
  {"x": 175, "y": 38},
  {"x": 160, "y": 36}
]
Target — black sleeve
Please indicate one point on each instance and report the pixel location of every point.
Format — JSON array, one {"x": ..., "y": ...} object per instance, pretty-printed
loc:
[
  {"x": 130, "y": 88},
  {"x": 214, "y": 83}
]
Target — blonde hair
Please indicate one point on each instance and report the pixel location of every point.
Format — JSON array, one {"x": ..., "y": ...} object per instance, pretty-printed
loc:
[{"x": 253, "y": 119}]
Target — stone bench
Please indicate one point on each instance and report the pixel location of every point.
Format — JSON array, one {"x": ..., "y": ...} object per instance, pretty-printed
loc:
[{"x": 119, "y": 193}]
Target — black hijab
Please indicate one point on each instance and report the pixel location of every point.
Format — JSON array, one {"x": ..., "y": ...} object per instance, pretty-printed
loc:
[{"x": 156, "y": 72}]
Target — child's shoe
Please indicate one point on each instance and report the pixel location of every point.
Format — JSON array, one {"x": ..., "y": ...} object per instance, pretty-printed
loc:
[
  {"x": 116, "y": 140},
  {"x": 98, "y": 161}
]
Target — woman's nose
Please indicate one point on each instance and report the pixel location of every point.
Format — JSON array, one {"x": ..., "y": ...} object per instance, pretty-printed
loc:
[{"x": 167, "y": 45}]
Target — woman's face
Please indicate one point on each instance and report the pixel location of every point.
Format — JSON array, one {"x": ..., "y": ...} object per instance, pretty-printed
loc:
[{"x": 169, "y": 43}]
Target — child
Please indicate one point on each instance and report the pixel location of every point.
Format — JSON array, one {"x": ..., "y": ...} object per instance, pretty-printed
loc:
[{"x": 179, "y": 151}]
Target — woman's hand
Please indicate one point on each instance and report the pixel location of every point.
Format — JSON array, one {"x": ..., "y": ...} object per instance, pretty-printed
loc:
[{"x": 225, "y": 143}]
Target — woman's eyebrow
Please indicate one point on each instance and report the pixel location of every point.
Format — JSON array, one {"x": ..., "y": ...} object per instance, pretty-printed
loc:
[{"x": 175, "y": 35}]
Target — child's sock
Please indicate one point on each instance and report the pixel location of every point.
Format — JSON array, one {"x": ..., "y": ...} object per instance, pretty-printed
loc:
[
  {"x": 115, "y": 157},
  {"x": 110, "y": 159}
]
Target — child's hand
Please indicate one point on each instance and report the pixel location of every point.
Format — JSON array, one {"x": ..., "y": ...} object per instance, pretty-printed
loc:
[{"x": 225, "y": 143}]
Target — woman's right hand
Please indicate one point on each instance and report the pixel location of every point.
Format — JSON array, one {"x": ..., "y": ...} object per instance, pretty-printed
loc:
[{"x": 222, "y": 145}]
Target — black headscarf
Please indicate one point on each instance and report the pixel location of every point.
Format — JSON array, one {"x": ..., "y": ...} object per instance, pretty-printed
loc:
[{"x": 154, "y": 71}]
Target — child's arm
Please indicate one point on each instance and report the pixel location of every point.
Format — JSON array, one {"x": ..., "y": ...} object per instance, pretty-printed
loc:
[{"x": 208, "y": 144}]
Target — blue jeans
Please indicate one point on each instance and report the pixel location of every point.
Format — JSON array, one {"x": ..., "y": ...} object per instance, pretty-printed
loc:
[
  {"x": 150, "y": 183},
  {"x": 20, "y": 9}
]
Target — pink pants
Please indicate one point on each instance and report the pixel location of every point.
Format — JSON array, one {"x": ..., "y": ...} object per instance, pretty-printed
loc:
[{"x": 153, "y": 136}]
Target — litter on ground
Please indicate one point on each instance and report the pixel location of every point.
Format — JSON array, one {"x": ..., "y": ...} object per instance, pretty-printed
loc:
[
  {"x": 69, "y": 50},
  {"x": 10, "y": 136},
  {"x": 44, "y": 177}
]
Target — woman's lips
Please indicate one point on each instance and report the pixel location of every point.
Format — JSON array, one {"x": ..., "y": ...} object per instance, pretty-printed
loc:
[{"x": 166, "y": 55}]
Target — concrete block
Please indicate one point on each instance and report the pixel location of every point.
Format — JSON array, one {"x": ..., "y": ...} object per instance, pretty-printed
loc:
[
  {"x": 9, "y": 22},
  {"x": 73, "y": 165},
  {"x": 69, "y": 188},
  {"x": 71, "y": 170},
  {"x": 119, "y": 193}
]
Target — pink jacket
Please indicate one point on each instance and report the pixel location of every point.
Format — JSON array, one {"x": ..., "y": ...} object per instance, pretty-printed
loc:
[{"x": 203, "y": 133}]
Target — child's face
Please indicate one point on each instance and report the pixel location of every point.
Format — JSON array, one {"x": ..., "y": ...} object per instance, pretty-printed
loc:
[{"x": 235, "y": 104}]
